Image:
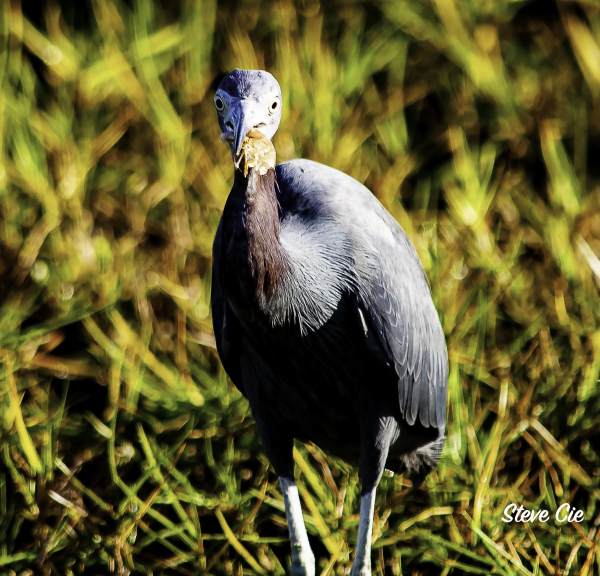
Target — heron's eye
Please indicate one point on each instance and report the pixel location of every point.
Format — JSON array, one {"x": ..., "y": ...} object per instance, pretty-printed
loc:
[
  {"x": 219, "y": 104},
  {"x": 274, "y": 106}
]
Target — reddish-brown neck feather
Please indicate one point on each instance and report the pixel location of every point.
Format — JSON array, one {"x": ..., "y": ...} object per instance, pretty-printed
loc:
[{"x": 268, "y": 260}]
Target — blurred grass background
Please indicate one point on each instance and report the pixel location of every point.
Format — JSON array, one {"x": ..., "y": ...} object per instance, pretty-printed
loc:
[{"x": 124, "y": 448}]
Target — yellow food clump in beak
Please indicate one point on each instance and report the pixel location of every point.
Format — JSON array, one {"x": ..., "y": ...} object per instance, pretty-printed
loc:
[{"x": 257, "y": 152}]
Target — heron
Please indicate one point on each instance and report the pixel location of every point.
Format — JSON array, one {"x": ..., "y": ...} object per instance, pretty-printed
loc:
[{"x": 323, "y": 316}]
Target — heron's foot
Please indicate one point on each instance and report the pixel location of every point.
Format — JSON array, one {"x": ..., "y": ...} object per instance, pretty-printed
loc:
[
  {"x": 303, "y": 565},
  {"x": 360, "y": 568}
]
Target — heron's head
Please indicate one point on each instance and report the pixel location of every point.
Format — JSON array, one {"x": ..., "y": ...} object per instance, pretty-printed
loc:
[{"x": 247, "y": 99}]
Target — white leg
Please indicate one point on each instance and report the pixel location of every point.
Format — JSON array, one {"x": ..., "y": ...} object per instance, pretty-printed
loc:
[
  {"x": 362, "y": 559},
  {"x": 303, "y": 560}
]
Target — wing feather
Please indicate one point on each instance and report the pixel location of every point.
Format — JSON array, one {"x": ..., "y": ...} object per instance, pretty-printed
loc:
[{"x": 402, "y": 310}]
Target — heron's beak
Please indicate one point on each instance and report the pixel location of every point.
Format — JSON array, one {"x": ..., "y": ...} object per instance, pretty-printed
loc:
[{"x": 247, "y": 115}]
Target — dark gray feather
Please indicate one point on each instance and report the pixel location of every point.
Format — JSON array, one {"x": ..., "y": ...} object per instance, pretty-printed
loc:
[{"x": 345, "y": 240}]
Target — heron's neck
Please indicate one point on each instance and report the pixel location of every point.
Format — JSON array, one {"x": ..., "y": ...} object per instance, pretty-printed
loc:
[{"x": 267, "y": 257}]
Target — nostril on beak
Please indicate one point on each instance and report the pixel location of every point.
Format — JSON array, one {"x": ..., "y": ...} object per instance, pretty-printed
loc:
[{"x": 229, "y": 125}]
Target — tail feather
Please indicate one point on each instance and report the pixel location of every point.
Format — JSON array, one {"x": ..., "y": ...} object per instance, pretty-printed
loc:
[{"x": 422, "y": 461}]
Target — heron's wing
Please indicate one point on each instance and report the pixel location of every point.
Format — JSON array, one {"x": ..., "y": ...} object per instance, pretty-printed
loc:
[
  {"x": 228, "y": 332},
  {"x": 406, "y": 331},
  {"x": 401, "y": 324}
]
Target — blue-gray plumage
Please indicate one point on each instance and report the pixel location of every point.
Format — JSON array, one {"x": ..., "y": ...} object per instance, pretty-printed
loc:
[{"x": 323, "y": 317}]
